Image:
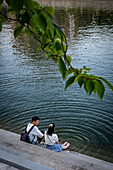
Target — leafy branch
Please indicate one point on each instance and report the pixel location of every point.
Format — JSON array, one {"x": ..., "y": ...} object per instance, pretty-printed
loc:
[{"x": 36, "y": 20}]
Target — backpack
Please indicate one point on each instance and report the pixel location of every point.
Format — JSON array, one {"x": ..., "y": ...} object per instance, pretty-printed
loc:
[{"x": 25, "y": 136}]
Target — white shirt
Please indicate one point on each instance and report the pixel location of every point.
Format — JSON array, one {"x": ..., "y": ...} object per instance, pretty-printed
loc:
[
  {"x": 50, "y": 140},
  {"x": 35, "y": 132}
]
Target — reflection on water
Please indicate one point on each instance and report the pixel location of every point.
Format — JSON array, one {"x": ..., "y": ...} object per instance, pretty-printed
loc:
[
  {"x": 72, "y": 19},
  {"x": 30, "y": 85}
]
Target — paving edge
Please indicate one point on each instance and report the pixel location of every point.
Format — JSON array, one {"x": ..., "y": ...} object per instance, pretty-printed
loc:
[
  {"x": 10, "y": 143},
  {"x": 20, "y": 162}
]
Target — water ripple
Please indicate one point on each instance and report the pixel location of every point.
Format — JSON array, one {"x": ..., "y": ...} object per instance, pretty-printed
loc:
[{"x": 30, "y": 85}]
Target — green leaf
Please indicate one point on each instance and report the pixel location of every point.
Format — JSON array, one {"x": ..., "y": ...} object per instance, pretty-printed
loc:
[
  {"x": 44, "y": 40},
  {"x": 25, "y": 18},
  {"x": 17, "y": 31},
  {"x": 68, "y": 72},
  {"x": 57, "y": 44},
  {"x": 70, "y": 81},
  {"x": 29, "y": 4},
  {"x": 88, "y": 76},
  {"x": 36, "y": 4},
  {"x": 80, "y": 81},
  {"x": 35, "y": 28},
  {"x": 49, "y": 33},
  {"x": 100, "y": 89},
  {"x": 90, "y": 86},
  {"x": 91, "y": 76},
  {"x": 16, "y": 5},
  {"x": 49, "y": 10},
  {"x": 27, "y": 31},
  {"x": 55, "y": 59},
  {"x": 49, "y": 55},
  {"x": 62, "y": 67},
  {"x": 85, "y": 87},
  {"x": 10, "y": 10},
  {"x": 105, "y": 81},
  {"x": 95, "y": 86},
  {"x": 41, "y": 21},
  {"x": 2, "y": 18},
  {"x": 87, "y": 69},
  {"x": 48, "y": 48},
  {"x": 50, "y": 25},
  {"x": 58, "y": 33},
  {"x": 85, "y": 72},
  {"x": 69, "y": 58},
  {"x": 77, "y": 77},
  {"x": 76, "y": 72}
]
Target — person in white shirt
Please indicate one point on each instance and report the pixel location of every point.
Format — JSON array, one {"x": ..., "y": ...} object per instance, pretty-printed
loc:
[
  {"x": 51, "y": 140},
  {"x": 35, "y": 134}
]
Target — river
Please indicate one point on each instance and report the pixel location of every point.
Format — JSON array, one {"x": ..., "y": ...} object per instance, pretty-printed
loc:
[{"x": 31, "y": 85}]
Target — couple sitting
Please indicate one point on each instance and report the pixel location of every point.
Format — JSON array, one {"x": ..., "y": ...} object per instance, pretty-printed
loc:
[{"x": 51, "y": 139}]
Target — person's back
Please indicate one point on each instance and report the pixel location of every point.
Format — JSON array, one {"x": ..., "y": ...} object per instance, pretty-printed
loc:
[
  {"x": 35, "y": 133},
  {"x": 51, "y": 140}
]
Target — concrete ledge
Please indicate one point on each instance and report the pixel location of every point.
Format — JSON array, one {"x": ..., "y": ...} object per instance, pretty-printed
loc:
[
  {"x": 95, "y": 4},
  {"x": 23, "y": 155},
  {"x": 20, "y": 162}
]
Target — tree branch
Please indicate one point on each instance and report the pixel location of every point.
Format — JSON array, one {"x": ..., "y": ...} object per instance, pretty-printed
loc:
[
  {"x": 65, "y": 57},
  {"x": 6, "y": 17}
]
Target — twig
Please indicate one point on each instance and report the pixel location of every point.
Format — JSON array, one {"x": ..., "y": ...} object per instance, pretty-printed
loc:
[{"x": 65, "y": 57}]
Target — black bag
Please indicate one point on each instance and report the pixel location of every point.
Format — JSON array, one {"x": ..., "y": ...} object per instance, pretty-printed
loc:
[{"x": 25, "y": 136}]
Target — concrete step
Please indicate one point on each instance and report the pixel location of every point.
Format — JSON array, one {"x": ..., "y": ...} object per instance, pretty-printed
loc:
[
  {"x": 24, "y": 155},
  {"x": 19, "y": 160}
]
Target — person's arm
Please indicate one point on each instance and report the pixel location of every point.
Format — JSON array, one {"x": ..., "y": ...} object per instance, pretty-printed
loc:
[
  {"x": 56, "y": 139},
  {"x": 38, "y": 133}
]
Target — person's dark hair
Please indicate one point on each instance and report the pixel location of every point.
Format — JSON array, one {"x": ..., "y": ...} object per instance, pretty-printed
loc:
[
  {"x": 35, "y": 118},
  {"x": 51, "y": 129}
]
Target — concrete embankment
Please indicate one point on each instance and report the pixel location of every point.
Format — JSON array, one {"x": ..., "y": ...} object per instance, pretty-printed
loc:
[
  {"x": 26, "y": 156},
  {"x": 91, "y": 4}
]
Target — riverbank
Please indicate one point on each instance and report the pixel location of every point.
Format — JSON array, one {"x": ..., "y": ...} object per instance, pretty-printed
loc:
[
  {"x": 95, "y": 4},
  {"x": 22, "y": 155}
]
